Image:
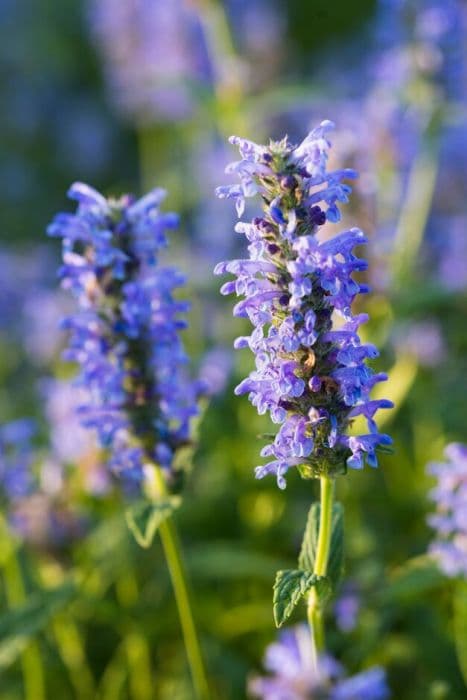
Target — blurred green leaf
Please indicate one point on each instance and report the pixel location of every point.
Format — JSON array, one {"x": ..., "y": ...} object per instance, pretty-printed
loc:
[
  {"x": 460, "y": 625},
  {"x": 289, "y": 587},
  {"x": 19, "y": 625},
  {"x": 307, "y": 556},
  {"x": 144, "y": 518},
  {"x": 417, "y": 576},
  {"x": 225, "y": 560}
]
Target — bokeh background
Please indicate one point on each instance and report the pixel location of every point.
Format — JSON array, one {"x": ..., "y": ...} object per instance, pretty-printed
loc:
[{"x": 129, "y": 94}]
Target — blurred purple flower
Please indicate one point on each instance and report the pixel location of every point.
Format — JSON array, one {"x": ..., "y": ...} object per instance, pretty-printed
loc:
[
  {"x": 311, "y": 373},
  {"x": 29, "y": 310},
  {"x": 423, "y": 340},
  {"x": 43, "y": 523},
  {"x": 294, "y": 677},
  {"x": 69, "y": 440},
  {"x": 215, "y": 369},
  {"x": 347, "y": 608},
  {"x": 42, "y": 311},
  {"x": 16, "y": 458},
  {"x": 155, "y": 57},
  {"x": 453, "y": 259},
  {"x": 450, "y": 520}
]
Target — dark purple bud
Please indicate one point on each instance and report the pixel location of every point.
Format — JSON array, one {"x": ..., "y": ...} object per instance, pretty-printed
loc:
[
  {"x": 315, "y": 383},
  {"x": 288, "y": 182},
  {"x": 273, "y": 248},
  {"x": 267, "y": 157},
  {"x": 284, "y": 300},
  {"x": 266, "y": 226},
  {"x": 317, "y": 216}
]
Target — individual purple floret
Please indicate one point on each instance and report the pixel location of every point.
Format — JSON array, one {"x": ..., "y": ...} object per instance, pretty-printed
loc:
[
  {"x": 125, "y": 336},
  {"x": 450, "y": 519},
  {"x": 311, "y": 373},
  {"x": 293, "y": 676},
  {"x": 16, "y": 458}
]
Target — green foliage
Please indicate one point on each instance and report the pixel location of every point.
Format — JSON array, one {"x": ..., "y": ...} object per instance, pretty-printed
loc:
[
  {"x": 144, "y": 518},
  {"x": 414, "y": 578},
  {"x": 290, "y": 586},
  {"x": 460, "y": 625},
  {"x": 307, "y": 556},
  {"x": 19, "y": 625}
]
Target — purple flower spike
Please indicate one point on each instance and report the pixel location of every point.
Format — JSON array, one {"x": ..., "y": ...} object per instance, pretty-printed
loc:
[
  {"x": 311, "y": 371},
  {"x": 125, "y": 336},
  {"x": 450, "y": 519}
]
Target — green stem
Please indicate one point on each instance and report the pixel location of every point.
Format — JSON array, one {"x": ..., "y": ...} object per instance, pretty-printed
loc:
[
  {"x": 418, "y": 201},
  {"x": 315, "y": 611},
  {"x": 71, "y": 649},
  {"x": 172, "y": 550},
  {"x": 228, "y": 86},
  {"x": 33, "y": 675},
  {"x": 138, "y": 655}
]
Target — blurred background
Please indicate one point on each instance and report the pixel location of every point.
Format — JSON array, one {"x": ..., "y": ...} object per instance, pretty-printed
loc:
[{"x": 129, "y": 94}]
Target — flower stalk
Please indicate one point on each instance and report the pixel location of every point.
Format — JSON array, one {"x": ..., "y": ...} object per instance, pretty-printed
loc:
[
  {"x": 173, "y": 555},
  {"x": 315, "y": 606}
]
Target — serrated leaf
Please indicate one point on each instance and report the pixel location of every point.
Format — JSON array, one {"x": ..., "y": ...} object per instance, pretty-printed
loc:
[
  {"x": 307, "y": 556},
  {"x": 460, "y": 625},
  {"x": 289, "y": 587},
  {"x": 19, "y": 625},
  {"x": 336, "y": 551},
  {"x": 144, "y": 518}
]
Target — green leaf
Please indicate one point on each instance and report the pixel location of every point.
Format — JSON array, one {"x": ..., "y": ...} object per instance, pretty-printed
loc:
[
  {"x": 336, "y": 552},
  {"x": 417, "y": 576},
  {"x": 223, "y": 560},
  {"x": 289, "y": 587},
  {"x": 460, "y": 625},
  {"x": 144, "y": 518},
  {"x": 307, "y": 556},
  {"x": 19, "y": 625}
]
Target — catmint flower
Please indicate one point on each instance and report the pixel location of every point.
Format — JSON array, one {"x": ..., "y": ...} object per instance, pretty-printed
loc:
[
  {"x": 125, "y": 335},
  {"x": 423, "y": 340},
  {"x": 293, "y": 675},
  {"x": 450, "y": 519},
  {"x": 16, "y": 458},
  {"x": 155, "y": 56},
  {"x": 347, "y": 608},
  {"x": 311, "y": 374},
  {"x": 29, "y": 310},
  {"x": 70, "y": 442},
  {"x": 215, "y": 370}
]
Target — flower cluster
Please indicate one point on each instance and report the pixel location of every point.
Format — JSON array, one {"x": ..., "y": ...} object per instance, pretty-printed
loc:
[
  {"x": 450, "y": 520},
  {"x": 311, "y": 373},
  {"x": 155, "y": 56},
  {"x": 16, "y": 457},
  {"x": 294, "y": 677},
  {"x": 125, "y": 336}
]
